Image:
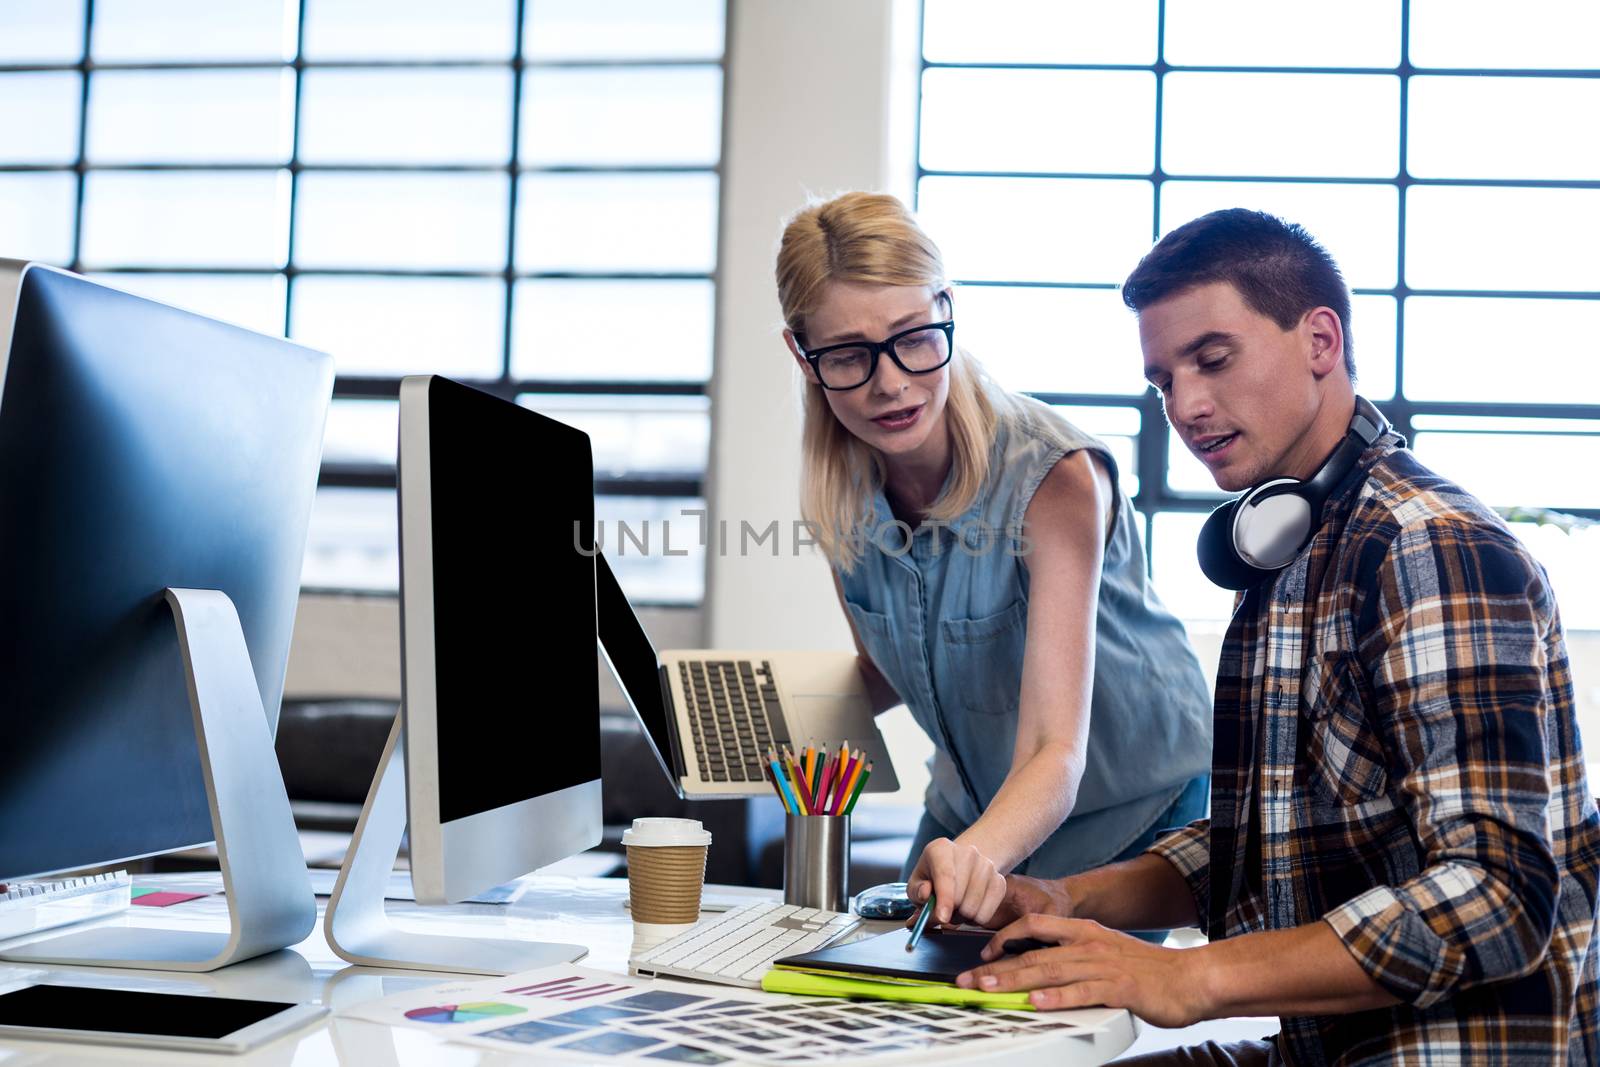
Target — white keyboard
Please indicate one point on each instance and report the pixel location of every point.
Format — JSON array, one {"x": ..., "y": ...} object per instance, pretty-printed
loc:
[
  {"x": 738, "y": 947},
  {"x": 26, "y": 907}
]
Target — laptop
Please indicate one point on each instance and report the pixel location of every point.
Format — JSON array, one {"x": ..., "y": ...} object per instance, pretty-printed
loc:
[{"x": 711, "y": 716}]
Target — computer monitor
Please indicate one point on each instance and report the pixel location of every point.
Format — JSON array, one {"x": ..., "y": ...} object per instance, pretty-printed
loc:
[
  {"x": 501, "y": 700},
  {"x": 494, "y": 760},
  {"x": 141, "y": 448}
]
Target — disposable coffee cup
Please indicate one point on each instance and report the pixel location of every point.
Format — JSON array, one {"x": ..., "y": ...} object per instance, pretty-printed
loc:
[{"x": 666, "y": 869}]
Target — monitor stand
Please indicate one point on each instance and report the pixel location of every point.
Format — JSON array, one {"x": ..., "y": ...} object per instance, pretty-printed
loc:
[
  {"x": 357, "y": 927},
  {"x": 270, "y": 905}
]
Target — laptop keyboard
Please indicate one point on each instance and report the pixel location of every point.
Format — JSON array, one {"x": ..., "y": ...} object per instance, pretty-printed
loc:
[{"x": 734, "y": 715}]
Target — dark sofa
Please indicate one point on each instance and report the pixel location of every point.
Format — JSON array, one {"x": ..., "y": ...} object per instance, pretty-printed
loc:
[{"x": 328, "y": 751}]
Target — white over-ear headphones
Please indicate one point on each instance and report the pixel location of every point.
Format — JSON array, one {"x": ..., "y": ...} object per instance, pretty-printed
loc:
[{"x": 1253, "y": 536}]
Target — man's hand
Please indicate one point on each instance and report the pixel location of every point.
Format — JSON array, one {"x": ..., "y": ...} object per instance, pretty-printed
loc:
[
  {"x": 1092, "y": 965},
  {"x": 964, "y": 881}
]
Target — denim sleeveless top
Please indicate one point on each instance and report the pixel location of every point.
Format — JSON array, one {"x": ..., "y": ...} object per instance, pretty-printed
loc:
[{"x": 945, "y": 619}]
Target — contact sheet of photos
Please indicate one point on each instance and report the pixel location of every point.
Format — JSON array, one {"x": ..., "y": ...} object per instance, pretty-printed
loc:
[
  {"x": 575, "y": 1014},
  {"x": 824, "y": 1028}
]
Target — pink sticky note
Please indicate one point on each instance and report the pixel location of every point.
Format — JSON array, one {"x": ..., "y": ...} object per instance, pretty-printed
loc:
[{"x": 162, "y": 900}]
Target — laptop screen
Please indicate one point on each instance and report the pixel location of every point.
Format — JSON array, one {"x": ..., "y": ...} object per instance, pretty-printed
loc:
[{"x": 633, "y": 661}]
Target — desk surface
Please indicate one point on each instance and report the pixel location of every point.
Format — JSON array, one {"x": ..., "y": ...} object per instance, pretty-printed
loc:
[{"x": 588, "y": 911}]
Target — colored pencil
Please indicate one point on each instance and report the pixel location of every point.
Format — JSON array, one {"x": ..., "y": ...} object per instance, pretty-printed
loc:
[
  {"x": 849, "y": 785},
  {"x": 785, "y": 772},
  {"x": 766, "y": 773},
  {"x": 814, "y": 781},
  {"x": 836, "y": 799},
  {"x": 788, "y": 774},
  {"x": 861, "y": 786},
  {"x": 790, "y": 804},
  {"x": 807, "y": 798},
  {"x": 827, "y": 775},
  {"x": 837, "y": 784}
]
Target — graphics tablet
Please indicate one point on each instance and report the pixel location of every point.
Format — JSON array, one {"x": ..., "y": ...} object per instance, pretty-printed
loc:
[{"x": 941, "y": 955}]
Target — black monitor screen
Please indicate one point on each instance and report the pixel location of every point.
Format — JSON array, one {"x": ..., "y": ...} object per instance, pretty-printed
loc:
[
  {"x": 514, "y": 602},
  {"x": 132, "y": 1011}
]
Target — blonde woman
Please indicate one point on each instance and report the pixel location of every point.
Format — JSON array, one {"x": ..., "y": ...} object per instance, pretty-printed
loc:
[{"x": 990, "y": 568}]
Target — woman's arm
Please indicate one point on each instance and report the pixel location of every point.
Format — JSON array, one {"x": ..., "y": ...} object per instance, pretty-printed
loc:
[
  {"x": 1066, "y": 525},
  {"x": 879, "y": 691}
]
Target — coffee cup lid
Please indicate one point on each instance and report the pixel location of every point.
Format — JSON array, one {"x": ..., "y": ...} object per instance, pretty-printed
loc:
[{"x": 666, "y": 832}]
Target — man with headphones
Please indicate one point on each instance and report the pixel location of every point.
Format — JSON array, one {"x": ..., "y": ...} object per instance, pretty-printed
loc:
[{"x": 1403, "y": 851}]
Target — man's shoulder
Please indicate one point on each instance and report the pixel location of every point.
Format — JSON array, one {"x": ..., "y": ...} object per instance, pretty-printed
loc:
[
  {"x": 1404, "y": 505},
  {"x": 1401, "y": 493}
]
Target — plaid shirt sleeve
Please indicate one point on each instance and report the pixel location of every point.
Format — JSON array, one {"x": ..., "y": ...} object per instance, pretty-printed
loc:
[
  {"x": 1451, "y": 638},
  {"x": 1189, "y": 850}
]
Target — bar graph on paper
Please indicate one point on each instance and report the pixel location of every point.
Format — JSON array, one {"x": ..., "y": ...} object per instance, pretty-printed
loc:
[{"x": 571, "y": 987}]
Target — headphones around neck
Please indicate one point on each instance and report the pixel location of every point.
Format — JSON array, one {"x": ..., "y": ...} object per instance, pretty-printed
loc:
[{"x": 1253, "y": 536}]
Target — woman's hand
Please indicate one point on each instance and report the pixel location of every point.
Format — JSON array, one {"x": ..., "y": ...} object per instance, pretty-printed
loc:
[
  {"x": 965, "y": 883},
  {"x": 1031, "y": 896},
  {"x": 1091, "y": 965}
]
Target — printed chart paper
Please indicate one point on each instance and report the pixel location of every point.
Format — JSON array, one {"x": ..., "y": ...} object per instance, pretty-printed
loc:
[{"x": 574, "y": 1013}]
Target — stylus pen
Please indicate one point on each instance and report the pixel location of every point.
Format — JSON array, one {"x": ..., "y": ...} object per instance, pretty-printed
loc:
[{"x": 920, "y": 925}]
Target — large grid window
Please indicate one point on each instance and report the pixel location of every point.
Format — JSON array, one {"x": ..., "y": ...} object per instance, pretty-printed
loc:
[
  {"x": 1441, "y": 149},
  {"x": 518, "y": 194}
]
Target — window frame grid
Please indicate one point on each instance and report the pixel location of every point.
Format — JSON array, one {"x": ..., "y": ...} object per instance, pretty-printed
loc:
[
  {"x": 378, "y": 387},
  {"x": 1151, "y": 444}
]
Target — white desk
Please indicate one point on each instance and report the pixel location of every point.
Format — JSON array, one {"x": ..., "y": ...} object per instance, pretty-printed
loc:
[{"x": 588, "y": 911}]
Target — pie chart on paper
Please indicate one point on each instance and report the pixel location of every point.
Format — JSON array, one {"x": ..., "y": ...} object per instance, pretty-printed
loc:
[{"x": 463, "y": 1013}]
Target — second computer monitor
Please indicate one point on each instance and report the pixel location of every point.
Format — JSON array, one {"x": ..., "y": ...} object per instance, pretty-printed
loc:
[
  {"x": 501, "y": 698},
  {"x": 141, "y": 448}
]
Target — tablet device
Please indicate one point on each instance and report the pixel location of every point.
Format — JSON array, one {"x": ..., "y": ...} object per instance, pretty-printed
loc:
[
  {"x": 942, "y": 954},
  {"x": 145, "y": 1020}
]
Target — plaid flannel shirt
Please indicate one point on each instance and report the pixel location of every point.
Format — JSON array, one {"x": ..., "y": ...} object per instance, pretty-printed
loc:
[{"x": 1397, "y": 755}]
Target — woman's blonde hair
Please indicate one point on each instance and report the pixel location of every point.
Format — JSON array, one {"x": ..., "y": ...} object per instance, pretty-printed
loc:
[{"x": 871, "y": 237}]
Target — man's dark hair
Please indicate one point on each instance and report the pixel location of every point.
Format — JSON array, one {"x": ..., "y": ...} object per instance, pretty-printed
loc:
[{"x": 1278, "y": 268}]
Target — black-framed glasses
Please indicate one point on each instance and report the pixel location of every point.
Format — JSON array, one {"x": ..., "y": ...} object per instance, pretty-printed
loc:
[{"x": 919, "y": 350}]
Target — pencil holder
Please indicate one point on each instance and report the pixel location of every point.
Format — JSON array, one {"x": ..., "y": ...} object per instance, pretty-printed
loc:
[{"x": 816, "y": 861}]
